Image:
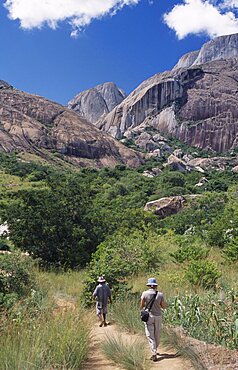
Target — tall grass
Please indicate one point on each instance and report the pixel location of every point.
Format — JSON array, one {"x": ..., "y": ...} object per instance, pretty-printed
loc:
[
  {"x": 127, "y": 314},
  {"x": 131, "y": 356},
  {"x": 67, "y": 283},
  {"x": 53, "y": 342},
  {"x": 47, "y": 330}
]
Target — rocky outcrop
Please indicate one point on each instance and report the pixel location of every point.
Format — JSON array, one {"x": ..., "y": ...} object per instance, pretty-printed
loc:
[
  {"x": 213, "y": 163},
  {"x": 33, "y": 124},
  {"x": 97, "y": 102},
  {"x": 165, "y": 207},
  {"x": 187, "y": 60},
  {"x": 222, "y": 47},
  {"x": 196, "y": 104},
  {"x": 168, "y": 206}
]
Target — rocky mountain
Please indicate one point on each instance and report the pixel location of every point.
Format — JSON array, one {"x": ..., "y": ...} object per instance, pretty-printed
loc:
[
  {"x": 196, "y": 102},
  {"x": 29, "y": 123},
  {"x": 97, "y": 102}
]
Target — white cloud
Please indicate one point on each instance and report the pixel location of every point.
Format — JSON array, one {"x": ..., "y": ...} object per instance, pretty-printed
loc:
[
  {"x": 79, "y": 13},
  {"x": 203, "y": 17}
]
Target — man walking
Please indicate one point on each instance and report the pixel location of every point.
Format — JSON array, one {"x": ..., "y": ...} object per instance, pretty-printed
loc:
[
  {"x": 102, "y": 294},
  {"x": 153, "y": 325}
]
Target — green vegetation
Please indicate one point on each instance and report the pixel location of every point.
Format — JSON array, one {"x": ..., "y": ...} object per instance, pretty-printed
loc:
[
  {"x": 68, "y": 220},
  {"x": 61, "y": 343},
  {"x": 42, "y": 323},
  {"x": 195, "y": 313},
  {"x": 17, "y": 279}
]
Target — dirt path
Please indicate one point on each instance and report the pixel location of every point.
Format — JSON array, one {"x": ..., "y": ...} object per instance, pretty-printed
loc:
[{"x": 96, "y": 359}]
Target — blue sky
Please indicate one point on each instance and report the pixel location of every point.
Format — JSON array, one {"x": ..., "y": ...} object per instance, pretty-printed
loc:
[{"x": 57, "y": 48}]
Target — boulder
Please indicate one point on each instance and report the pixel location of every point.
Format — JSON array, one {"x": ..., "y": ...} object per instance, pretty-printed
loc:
[
  {"x": 177, "y": 164},
  {"x": 146, "y": 142},
  {"x": 235, "y": 169},
  {"x": 168, "y": 206},
  {"x": 165, "y": 207}
]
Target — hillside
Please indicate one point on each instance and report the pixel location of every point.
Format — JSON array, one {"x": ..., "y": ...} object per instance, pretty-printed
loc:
[{"x": 29, "y": 123}]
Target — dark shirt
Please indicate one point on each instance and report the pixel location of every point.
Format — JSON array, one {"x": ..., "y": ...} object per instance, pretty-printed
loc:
[{"x": 102, "y": 293}]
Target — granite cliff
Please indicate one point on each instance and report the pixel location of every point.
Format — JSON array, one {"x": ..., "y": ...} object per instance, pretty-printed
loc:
[
  {"x": 97, "y": 102},
  {"x": 196, "y": 102},
  {"x": 29, "y": 123}
]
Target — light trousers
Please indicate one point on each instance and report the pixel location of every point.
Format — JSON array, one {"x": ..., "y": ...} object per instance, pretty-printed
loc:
[{"x": 152, "y": 331}]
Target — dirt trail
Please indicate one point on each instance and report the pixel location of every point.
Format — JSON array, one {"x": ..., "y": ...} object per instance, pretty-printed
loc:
[{"x": 96, "y": 359}]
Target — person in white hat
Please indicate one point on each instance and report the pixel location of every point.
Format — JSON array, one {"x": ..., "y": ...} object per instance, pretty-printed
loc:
[
  {"x": 153, "y": 325},
  {"x": 102, "y": 294}
]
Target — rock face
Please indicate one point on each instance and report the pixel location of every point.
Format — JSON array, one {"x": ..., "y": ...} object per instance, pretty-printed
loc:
[
  {"x": 97, "y": 102},
  {"x": 222, "y": 47},
  {"x": 33, "y": 124},
  {"x": 196, "y": 102}
]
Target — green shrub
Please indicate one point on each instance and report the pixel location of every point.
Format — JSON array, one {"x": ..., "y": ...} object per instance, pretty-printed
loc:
[
  {"x": 191, "y": 252},
  {"x": 231, "y": 250},
  {"x": 4, "y": 246},
  {"x": 17, "y": 278},
  {"x": 203, "y": 273},
  {"x": 121, "y": 256}
]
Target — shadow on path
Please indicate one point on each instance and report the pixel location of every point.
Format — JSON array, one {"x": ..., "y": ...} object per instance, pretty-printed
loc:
[{"x": 164, "y": 356}]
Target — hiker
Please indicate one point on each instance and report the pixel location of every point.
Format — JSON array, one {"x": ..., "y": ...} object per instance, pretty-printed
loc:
[
  {"x": 102, "y": 294},
  {"x": 153, "y": 300}
]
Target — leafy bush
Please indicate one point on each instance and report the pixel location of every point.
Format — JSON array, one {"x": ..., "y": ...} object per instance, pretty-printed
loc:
[
  {"x": 190, "y": 252},
  {"x": 121, "y": 256},
  {"x": 203, "y": 273},
  {"x": 231, "y": 250},
  {"x": 16, "y": 278},
  {"x": 4, "y": 245}
]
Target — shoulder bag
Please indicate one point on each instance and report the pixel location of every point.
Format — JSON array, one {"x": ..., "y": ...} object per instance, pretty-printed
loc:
[{"x": 144, "y": 314}]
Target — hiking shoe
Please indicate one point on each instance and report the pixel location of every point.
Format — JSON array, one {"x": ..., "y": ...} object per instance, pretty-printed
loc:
[
  {"x": 154, "y": 358},
  {"x": 100, "y": 325},
  {"x": 105, "y": 324}
]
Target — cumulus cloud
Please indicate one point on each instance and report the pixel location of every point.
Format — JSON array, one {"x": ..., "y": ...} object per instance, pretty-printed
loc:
[
  {"x": 79, "y": 13},
  {"x": 213, "y": 18}
]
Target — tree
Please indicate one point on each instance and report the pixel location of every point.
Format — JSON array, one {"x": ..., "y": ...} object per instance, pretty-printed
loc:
[{"x": 50, "y": 223}]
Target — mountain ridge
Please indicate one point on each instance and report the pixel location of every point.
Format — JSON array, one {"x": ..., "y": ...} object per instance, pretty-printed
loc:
[{"x": 195, "y": 103}]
